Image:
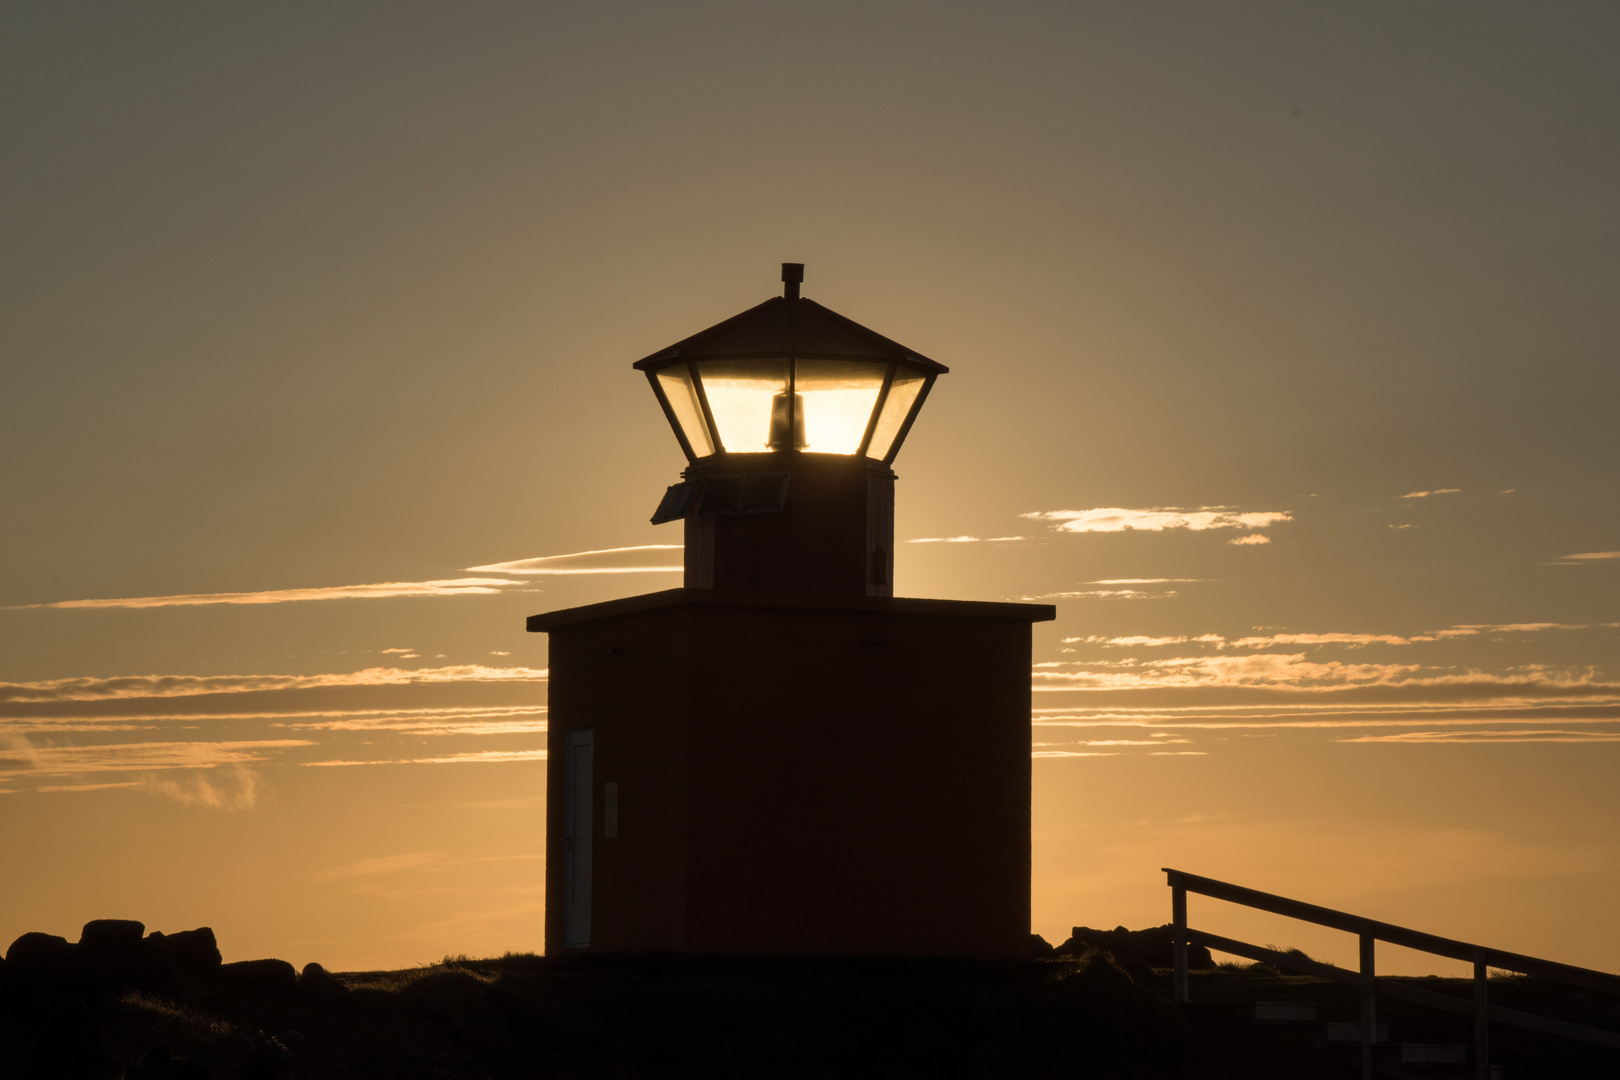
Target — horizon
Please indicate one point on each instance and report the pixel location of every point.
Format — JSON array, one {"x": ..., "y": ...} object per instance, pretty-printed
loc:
[{"x": 1282, "y": 361}]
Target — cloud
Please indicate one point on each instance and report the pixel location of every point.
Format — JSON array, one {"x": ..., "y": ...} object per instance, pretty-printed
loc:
[
  {"x": 1352, "y": 640},
  {"x": 1585, "y": 558},
  {"x": 1294, "y": 672},
  {"x": 23, "y": 758},
  {"x": 473, "y": 756},
  {"x": 387, "y": 864},
  {"x": 428, "y": 722},
  {"x": 1348, "y": 640},
  {"x": 229, "y": 787},
  {"x": 1071, "y": 753},
  {"x": 1143, "y": 580},
  {"x": 383, "y": 590},
  {"x": 1531, "y": 735},
  {"x": 1426, "y": 494},
  {"x": 164, "y": 686},
  {"x": 1254, "y": 538},
  {"x": 964, "y": 539},
  {"x": 1157, "y": 519},
  {"x": 1122, "y": 594},
  {"x": 638, "y": 559},
  {"x": 1142, "y": 640}
]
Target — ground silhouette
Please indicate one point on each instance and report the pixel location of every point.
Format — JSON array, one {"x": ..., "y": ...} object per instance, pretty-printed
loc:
[{"x": 118, "y": 1004}]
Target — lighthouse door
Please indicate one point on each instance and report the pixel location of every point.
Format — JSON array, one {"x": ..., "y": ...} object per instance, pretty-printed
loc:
[{"x": 578, "y": 796}]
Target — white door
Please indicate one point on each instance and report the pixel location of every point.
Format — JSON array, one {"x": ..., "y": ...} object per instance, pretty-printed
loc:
[{"x": 578, "y": 790}]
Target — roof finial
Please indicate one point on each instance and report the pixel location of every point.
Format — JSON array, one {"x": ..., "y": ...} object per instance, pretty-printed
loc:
[{"x": 792, "y": 274}]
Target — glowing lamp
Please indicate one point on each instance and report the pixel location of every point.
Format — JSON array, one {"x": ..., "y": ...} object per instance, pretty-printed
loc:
[
  {"x": 790, "y": 375},
  {"x": 789, "y": 415}
]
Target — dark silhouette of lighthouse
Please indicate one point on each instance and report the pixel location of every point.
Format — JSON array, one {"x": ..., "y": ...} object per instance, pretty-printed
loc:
[{"x": 782, "y": 757}]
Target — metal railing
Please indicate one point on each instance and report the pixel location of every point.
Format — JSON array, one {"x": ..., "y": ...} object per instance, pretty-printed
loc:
[{"x": 1370, "y": 931}]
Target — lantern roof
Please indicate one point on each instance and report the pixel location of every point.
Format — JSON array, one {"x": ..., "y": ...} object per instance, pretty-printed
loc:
[{"x": 790, "y": 327}]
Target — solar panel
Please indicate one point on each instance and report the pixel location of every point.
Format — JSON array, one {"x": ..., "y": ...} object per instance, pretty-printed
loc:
[
  {"x": 756, "y": 493},
  {"x": 677, "y": 501}
]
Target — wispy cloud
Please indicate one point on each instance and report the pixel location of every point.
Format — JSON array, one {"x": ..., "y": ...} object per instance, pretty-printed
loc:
[
  {"x": 1157, "y": 519},
  {"x": 964, "y": 539},
  {"x": 1253, "y": 538},
  {"x": 1333, "y": 714},
  {"x": 1143, "y": 580},
  {"x": 1523, "y": 735},
  {"x": 1104, "y": 594},
  {"x": 1294, "y": 671},
  {"x": 1586, "y": 558},
  {"x": 638, "y": 559},
  {"x": 229, "y": 787},
  {"x": 470, "y": 757},
  {"x": 1426, "y": 494},
  {"x": 23, "y": 757},
  {"x": 382, "y": 590},
  {"x": 151, "y": 686},
  {"x": 1347, "y": 640},
  {"x": 386, "y": 864},
  {"x": 1071, "y": 753}
]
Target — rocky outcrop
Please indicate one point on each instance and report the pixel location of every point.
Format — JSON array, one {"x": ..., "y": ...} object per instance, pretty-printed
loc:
[
  {"x": 1134, "y": 949},
  {"x": 261, "y": 976},
  {"x": 41, "y": 950},
  {"x": 115, "y": 951}
]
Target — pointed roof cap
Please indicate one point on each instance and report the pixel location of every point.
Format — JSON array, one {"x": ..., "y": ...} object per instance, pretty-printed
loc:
[{"x": 789, "y": 327}]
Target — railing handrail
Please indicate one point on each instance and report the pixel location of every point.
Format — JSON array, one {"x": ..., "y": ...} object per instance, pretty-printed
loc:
[{"x": 1395, "y": 935}]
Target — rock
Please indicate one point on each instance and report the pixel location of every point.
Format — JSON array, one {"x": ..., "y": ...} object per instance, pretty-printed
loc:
[
  {"x": 1150, "y": 948},
  {"x": 113, "y": 947},
  {"x": 1039, "y": 947},
  {"x": 42, "y": 949},
  {"x": 262, "y": 976},
  {"x": 191, "y": 952},
  {"x": 111, "y": 936},
  {"x": 316, "y": 981}
]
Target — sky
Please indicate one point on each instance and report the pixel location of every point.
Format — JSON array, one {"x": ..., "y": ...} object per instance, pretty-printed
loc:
[{"x": 1283, "y": 349}]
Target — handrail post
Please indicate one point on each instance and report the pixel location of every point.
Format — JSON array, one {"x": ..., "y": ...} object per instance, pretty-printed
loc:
[
  {"x": 1482, "y": 1017},
  {"x": 1178, "y": 917},
  {"x": 1369, "y": 1003}
]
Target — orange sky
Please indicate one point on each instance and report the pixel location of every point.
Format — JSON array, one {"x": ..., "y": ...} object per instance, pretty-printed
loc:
[{"x": 1282, "y": 360}]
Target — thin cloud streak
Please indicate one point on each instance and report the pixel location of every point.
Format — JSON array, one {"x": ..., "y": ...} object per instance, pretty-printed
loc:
[
  {"x": 1436, "y": 491},
  {"x": 637, "y": 559},
  {"x": 382, "y": 590},
  {"x": 1436, "y": 738},
  {"x": 1157, "y": 519},
  {"x": 161, "y": 686},
  {"x": 471, "y": 757},
  {"x": 1586, "y": 558},
  {"x": 1293, "y": 671},
  {"x": 1348, "y": 640},
  {"x": 1103, "y": 594},
  {"x": 964, "y": 539},
  {"x": 26, "y": 759}
]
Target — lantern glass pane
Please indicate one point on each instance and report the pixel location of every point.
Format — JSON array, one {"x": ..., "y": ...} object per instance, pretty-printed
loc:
[
  {"x": 741, "y": 394},
  {"x": 896, "y": 407},
  {"x": 676, "y": 383},
  {"x": 837, "y": 397}
]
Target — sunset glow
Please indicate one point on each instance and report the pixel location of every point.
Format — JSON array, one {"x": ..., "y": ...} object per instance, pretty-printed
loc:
[{"x": 1282, "y": 362}]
